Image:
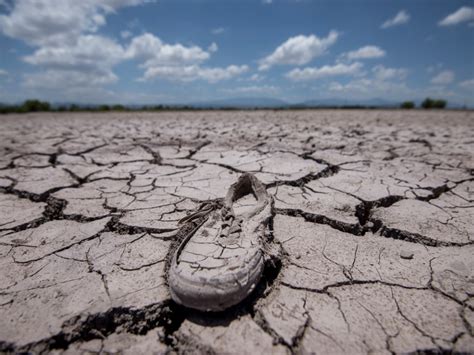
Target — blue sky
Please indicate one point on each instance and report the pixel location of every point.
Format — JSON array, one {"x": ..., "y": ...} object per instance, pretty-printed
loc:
[{"x": 165, "y": 51}]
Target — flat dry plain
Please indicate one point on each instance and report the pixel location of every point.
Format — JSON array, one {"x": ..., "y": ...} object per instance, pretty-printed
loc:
[{"x": 373, "y": 223}]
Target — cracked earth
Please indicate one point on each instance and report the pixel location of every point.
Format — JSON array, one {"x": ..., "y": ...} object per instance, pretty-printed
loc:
[{"x": 373, "y": 220}]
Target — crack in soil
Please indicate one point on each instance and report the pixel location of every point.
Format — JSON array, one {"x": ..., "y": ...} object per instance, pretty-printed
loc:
[{"x": 170, "y": 165}]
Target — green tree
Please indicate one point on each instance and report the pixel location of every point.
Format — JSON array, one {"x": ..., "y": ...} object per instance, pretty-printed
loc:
[
  {"x": 429, "y": 103},
  {"x": 35, "y": 106},
  {"x": 440, "y": 104},
  {"x": 118, "y": 108},
  {"x": 407, "y": 105}
]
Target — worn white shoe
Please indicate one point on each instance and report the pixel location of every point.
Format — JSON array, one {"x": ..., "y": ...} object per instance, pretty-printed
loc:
[{"x": 220, "y": 262}]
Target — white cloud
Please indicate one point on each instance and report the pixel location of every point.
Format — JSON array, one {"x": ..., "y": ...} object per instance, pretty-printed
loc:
[
  {"x": 383, "y": 73},
  {"x": 467, "y": 84},
  {"x": 87, "y": 62},
  {"x": 443, "y": 78},
  {"x": 267, "y": 2},
  {"x": 400, "y": 18},
  {"x": 125, "y": 34},
  {"x": 463, "y": 14},
  {"x": 150, "y": 48},
  {"x": 68, "y": 53},
  {"x": 366, "y": 88},
  {"x": 194, "y": 72},
  {"x": 324, "y": 71},
  {"x": 59, "y": 79},
  {"x": 434, "y": 67},
  {"x": 358, "y": 85},
  {"x": 3, "y": 72},
  {"x": 254, "y": 89},
  {"x": 42, "y": 22},
  {"x": 365, "y": 52},
  {"x": 298, "y": 50},
  {"x": 256, "y": 77},
  {"x": 384, "y": 82},
  {"x": 437, "y": 91},
  {"x": 218, "y": 30},
  {"x": 213, "y": 47},
  {"x": 89, "y": 51},
  {"x": 177, "y": 62}
]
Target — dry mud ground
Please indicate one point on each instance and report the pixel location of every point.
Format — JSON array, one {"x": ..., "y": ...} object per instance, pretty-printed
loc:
[{"x": 374, "y": 215}]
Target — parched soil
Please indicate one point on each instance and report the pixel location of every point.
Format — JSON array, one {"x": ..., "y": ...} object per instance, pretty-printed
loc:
[{"x": 374, "y": 216}]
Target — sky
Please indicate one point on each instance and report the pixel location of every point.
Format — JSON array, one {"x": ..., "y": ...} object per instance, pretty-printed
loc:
[{"x": 183, "y": 51}]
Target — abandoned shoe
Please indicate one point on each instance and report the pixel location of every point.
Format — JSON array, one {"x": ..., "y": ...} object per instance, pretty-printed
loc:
[{"x": 221, "y": 260}]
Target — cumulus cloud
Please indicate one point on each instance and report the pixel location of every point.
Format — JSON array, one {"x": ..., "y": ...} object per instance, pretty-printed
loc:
[
  {"x": 59, "y": 78},
  {"x": 125, "y": 34},
  {"x": 91, "y": 57},
  {"x": 213, "y": 47},
  {"x": 43, "y": 22},
  {"x": 463, "y": 14},
  {"x": 256, "y": 77},
  {"x": 177, "y": 62},
  {"x": 365, "y": 52},
  {"x": 382, "y": 81},
  {"x": 254, "y": 89},
  {"x": 369, "y": 87},
  {"x": 69, "y": 52},
  {"x": 467, "y": 84},
  {"x": 436, "y": 91},
  {"x": 400, "y": 18},
  {"x": 382, "y": 73},
  {"x": 298, "y": 50},
  {"x": 89, "y": 51},
  {"x": 218, "y": 30},
  {"x": 324, "y": 71},
  {"x": 155, "y": 52},
  {"x": 434, "y": 67},
  {"x": 194, "y": 72},
  {"x": 443, "y": 78}
]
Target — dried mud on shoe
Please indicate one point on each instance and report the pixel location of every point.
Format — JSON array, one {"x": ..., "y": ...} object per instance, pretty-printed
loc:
[{"x": 220, "y": 261}]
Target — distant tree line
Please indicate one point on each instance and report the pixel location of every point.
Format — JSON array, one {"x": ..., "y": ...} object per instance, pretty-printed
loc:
[
  {"x": 43, "y": 106},
  {"x": 27, "y": 106},
  {"x": 427, "y": 103}
]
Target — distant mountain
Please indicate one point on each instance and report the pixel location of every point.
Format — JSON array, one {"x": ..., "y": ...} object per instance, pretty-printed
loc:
[
  {"x": 241, "y": 102},
  {"x": 332, "y": 102}
]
